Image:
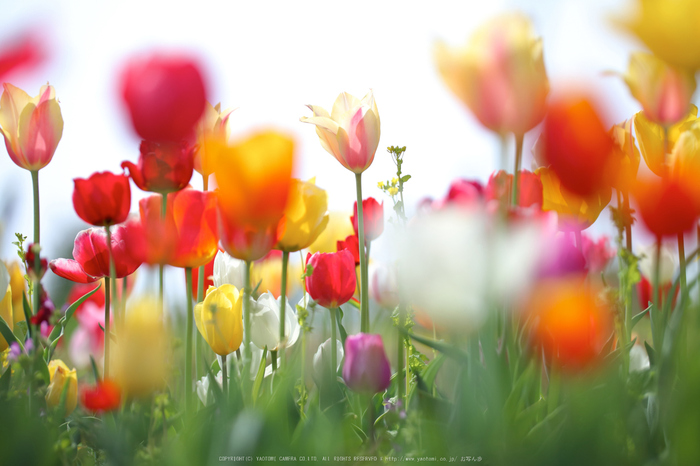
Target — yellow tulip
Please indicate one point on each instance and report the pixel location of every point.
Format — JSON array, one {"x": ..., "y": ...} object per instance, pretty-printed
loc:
[
  {"x": 573, "y": 210},
  {"x": 305, "y": 215},
  {"x": 338, "y": 228},
  {"x": 5, "y": 303},
  {"x": 499, "y": 74},
  {"x": 220, "y": 319},
  {"x": 627, "y": 153},
  {"x": 213, "y": 124},
  {"x": 669, "y": 28},
  {"x": 140, "y": 354},
  {"x": 18, "y": 284},
  {"x": 62, "y": 378},
  {"x": 651, "y": 139},
  {"x": 684, "y": 161},
  {"x": 664, "y": 91}
]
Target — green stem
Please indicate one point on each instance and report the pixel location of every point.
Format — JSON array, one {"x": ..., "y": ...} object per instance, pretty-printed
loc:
[
  {"x": 334, "y": 348},
  {"x": 224, "y": 376},
  {"x": 283, "y": 300},
  {"x": 273, "y": 356},
  {"x": 681, "y": 257},
  {"x": 247, "y": 353},
  {"x": 36, "y": 298},
  {"x": 107, "y": 328},
  {"x": 35, "y": 190},
  {"x": 657, "y": 276},
  {"x": 188, "y": 340},
  {"x": 399, "y": 357},
  {"x": 516, "y": 168},
  {"x": 161, "y": 267},
  {"x": 112, "y": 273},
  {"x": 364, "y": 292},
  {"x": 628, "y": 227}
]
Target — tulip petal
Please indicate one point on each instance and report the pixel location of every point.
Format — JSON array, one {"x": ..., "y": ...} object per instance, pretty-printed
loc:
[
  {"x": 71, "y": 270},
  {"x": 40, "y": 136},
  {"x": 343, "y": 104},
  {"x": 12, "y": 103}
]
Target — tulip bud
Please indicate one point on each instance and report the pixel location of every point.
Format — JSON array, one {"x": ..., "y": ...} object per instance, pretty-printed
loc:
[
  {"x": 103, "y": 199},
  {"x": 229, "y": 270},
  {"x": 373, "y": 218},
  {"x": 62, "y": 379},
  {"x": 366, "y": 368},
  {"x": 333, "y": 280},
  {"x": 351, "y": 244},
  {"x": 350, "y": 133},
  {"x": 212, "y": 125},
  {"x": 163, "y": 167},
  {"x": 667, "y": 207},
  {"x": 265, "y": 323},
  {"x": 322, "y": 360},
  {"x": 219, "y": 319},
  {"x": 31, "y": 126},
  {"x": 627, "y": 153}
]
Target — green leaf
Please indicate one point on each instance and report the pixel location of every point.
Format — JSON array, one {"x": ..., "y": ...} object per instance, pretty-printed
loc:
[
  {"x": 431, "y": 371},
  {"x": 6, "y": 332},
  {"x": 27, "y": 313},
  {"x": 259, "y": 376},
  {"x": 213, "y": 384},
  {"x": 651, "y": 353},
  {"x": 95, "y": 371},
  {"x": 405, "y": 178},
  {"x": 638, "y": 317},
  {"x": 341, "y": 329},
  {"x": 5, "y": 380},
  {"x": 20, "y": 330},
  {"x": 447, "y": 350}
]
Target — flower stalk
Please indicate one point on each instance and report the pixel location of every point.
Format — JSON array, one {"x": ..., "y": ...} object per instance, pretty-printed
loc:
[{"x": 364, "y": 292}]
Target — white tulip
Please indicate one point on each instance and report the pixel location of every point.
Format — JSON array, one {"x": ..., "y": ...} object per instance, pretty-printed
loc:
[
  {"x": 667, "y": 264},
  {"x": 265, "y": 322},
  {"x": 203, "y": 388},
  {"x": 322, "y": 359},
  {"x": 228, "y": 270}
]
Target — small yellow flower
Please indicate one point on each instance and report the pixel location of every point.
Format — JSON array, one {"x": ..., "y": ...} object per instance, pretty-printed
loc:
[
  {"x": 394, "y": 181},
  {"x": 380, "y": 185},
  {"x": 220, "y": 319},
  {"x": 393, "y": 191},
  {"x": 60, "y": 376}
]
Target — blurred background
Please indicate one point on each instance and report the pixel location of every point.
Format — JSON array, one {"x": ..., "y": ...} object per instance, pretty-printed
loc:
[{"x": 269, "y": 59}]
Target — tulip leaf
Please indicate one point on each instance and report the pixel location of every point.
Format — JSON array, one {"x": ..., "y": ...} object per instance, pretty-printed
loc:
[
  {"x": 214, "y": 387},
  {"x": 27, "y": 313},
  {"x": 341, "y": 329},
  {"x": 7, "y": 333},
  {"x": 20, "y": 330},
  {"x": 638, "y": 317},
  {"x": 447, "y": 350},
  {"x": 60, "y": 327},
  {"x": 64, "y": 399},
  {"x": 259, "y": 376},
  {"x": 5, "y": 380},
  {"x": 95, "y": 371},
  {"x": 651, "y": 353}
]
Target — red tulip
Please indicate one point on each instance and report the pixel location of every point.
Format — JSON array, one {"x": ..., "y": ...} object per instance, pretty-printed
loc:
[
  {"x": 333, "y": 279},
  {"x": 352, "y": 244},
  {"x": 165, "y": 97},
  {"x": 501, "y": 183},
  {"x": 577, "y": 146},
  {"x": 248, "y": 242},
  {"x": 373, "y": 218},
  {"x": 92, "y": 256},
  {"x": 667, "y": 207},
  {"x": 645, "y": 292},
  {"x": 105, "y": 396},
  {"x": 366, "y": 368},
  {"x": 103, "y": 199},
  {"x": 163, "y": 168}
]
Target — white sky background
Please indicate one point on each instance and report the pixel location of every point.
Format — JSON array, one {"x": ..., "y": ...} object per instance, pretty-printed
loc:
[{"x": 269, "y": 59}]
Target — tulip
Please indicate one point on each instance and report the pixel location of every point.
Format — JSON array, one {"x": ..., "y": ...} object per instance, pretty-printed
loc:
[
  {"x": 91, "y": 256},
  {"x": 18, "y": 285},
  {"x": 350, "y": 133},
  {"x": 24, "y": 53},
  {"x": 563, "y": 259},
  {"x": 141, "y": 353},
  {"x": 103, "y": 397},
  {"x": 32, "y": 126},
  {"x": 569, "y": 324},
  {"x": 668, "y": 207},
  {"x": 228, "y": 270},
  {"x": 373, "y": 220},
  {"x": 500, "y": 185},
  {"x": 305, "y": 216},
  {"x": 162, "y": 168},
  {"x": 165, "y": 97},
  {"x": 639, "y": 359},
  {"x": 462, "y": 192},
  {"x": 332, "y": 282},
  {"x": 352, "y": 244},
  {"x": 88, "y": 339},
  {"x": 664, "y": 91},
  {"x": 684, "y": 161},
  {"x": 212, "y": 125},
  {"x": 626, "y": 152},
  {"x": 655, "y": 143},
  {"x": 575, "y": 212},
  {"x": 103, "y": 199},
  {"x": 499, "y": 75},
  {"x": 366, "y": 368},
  {"x": 667, "y": 27},
  {"x": 207, "y": 280},
  {"x": 203, "y": 388},
  {"x": 266, "y": 316},
  {"x": 219, "y": 319},
  {"x": 322, "y": 360},
  {"x": 668, "y": 263},
  {"x": 62, "y": 379},
  {"x": 577, "y": 147},
  {"x": 598, "y": 254},
  {"x": 338, "y": 228},
  {"x": 5, "y": 303}
]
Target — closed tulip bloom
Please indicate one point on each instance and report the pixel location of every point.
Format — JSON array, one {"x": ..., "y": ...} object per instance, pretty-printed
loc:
[
  {"x": 165, "y": 96},
  {"x": 322, "y": 360},
  {"x": 6, "y": 310},
  {"x": 228, "y": 270},
  {"x": 91, "y": 256},
  {"x": 373, "y": 213},
  {"x": 305, "y": 216},
  {"x": 338, "y": 228},
  {"x": 500, "y": 185},
  {"x": 194, "y": 218},
  {"x": 366, "y": 368},
  {"x": 333, "y": 280},
  {"x": 626, "y": 152},
  {"x": 351, "y": 244},
  {"x": 499, "y": 74},
  {"x": 577, "y": 147},
  {"x": 31, "y": 126},
  {"x": 18, "y": 285},
  {"x": 569, "y": 323},
  {"x": 219, "y": 319},
  {"x": 103, "y": 199},
  {"x": 667, "y": 207},
  {"x": 162, "y": 167},
  {"x": 103, "y": 397},
  {"x": 141, "y": 353},
  {"x": 350, "y": 133},
  {"x": 684, "y": 161},
  {"x": 212, "y": 125},
  {"x": 62, "y": 378},
  {"x": 667, "y": 27},
  {"x": 651, "y": 139},
  {"x": 574, "y": 212},
  {"x": 664, "y": 91},
  {"x": 265, "y": 323}
]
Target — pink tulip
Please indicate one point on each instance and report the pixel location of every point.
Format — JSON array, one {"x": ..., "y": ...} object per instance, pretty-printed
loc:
[{"x": 366, "y": 368}]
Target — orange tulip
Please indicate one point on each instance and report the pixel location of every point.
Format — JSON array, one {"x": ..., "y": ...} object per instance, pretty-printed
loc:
[
  {"x": 667, "y": 207},
  {"x": 254, "y": 178}
]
